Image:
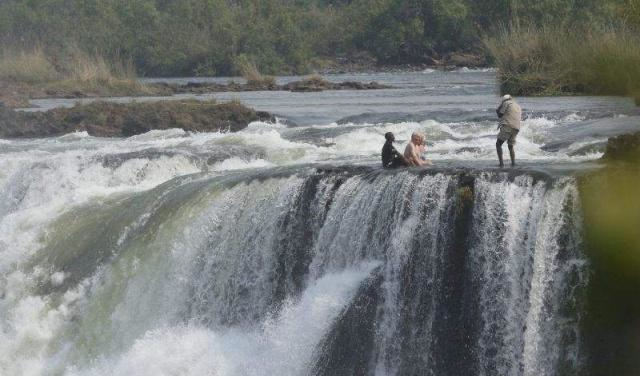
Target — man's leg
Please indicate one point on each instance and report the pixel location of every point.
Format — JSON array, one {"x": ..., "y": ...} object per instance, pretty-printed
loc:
[
  {"x": 512, "y": 154},
  {"x": 398, "y": 162},
  {"x": 499, "y": 143}
]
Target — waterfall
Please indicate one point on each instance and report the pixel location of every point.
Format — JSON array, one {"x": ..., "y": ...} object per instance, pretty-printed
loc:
[{"x": 294, "y": 271}]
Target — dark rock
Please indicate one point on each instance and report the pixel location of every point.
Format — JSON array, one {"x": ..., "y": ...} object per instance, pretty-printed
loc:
[
  {"x": 346, "y": 349},
  {"x": 432, "y": 61},
  {"x": 470, "y": 149},
  {"x": 105, "y": 119},
  {"x": 317, "y": 83},
  {"x": 195, "y": 84},
  {"x": 625, "y": 147},
  {"x": 461, "y": 59}
]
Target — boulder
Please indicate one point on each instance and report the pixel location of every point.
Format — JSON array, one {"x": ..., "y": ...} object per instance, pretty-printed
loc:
[
  {"x": 625, "y": 147},
  {"x": 106, "y": 119}
]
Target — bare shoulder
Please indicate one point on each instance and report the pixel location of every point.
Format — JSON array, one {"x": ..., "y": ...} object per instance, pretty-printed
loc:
[{"x": 408, "y": 150}]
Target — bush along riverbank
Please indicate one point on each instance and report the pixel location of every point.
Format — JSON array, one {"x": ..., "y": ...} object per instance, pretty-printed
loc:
[
  {"x": 30, "y": 74},
  {"x": 33, "y": 75},
  {"x": 106, "y": 119},
  {"x": 611, "y": 215},
  {"x": 556, "y": 60}
]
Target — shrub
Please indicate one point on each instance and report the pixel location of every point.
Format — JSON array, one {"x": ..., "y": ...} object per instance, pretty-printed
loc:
[
  {"x": 554, "y": 60},
  {"x": 27, "y": 66},
  {"x": 250, "y": 72}
]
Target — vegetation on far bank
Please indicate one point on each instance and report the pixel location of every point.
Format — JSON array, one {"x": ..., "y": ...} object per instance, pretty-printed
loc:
[
  {"x": 553, "y": 60},
  {"x": 214, "y": 37},
  {"x": 108, "y": 119},
  {"x": 97, "y": 47},
  {"x": 33, "y": 73}
]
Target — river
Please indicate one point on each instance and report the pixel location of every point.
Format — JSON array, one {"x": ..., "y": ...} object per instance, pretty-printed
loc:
[{"x": 285, "y": 249}]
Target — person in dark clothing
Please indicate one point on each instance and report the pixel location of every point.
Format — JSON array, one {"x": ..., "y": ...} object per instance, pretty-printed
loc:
[{"x": 390, "y": 156}]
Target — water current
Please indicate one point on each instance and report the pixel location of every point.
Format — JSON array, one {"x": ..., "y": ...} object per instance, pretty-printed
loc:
[{"x": 285, "y": 249}]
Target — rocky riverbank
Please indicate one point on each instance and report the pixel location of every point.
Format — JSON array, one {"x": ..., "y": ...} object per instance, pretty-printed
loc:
[
  {"x": 104, "y": 119},
  {"x": 16, "y": 95},
  {"x": 310, "y": 84}
]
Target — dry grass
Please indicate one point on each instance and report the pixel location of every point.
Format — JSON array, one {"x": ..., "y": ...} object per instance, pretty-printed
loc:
[
  {"x": 30, "y": 67},
  {"x": 87, "y": 67},
  {"x": 250, "y": 72},
  {"x": 551, "y": 60},
  {"x": 315, "y": 77},
  {"x": 72, "y": 73}
]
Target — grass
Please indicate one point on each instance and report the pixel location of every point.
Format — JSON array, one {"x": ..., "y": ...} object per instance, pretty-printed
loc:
[
  {"x": 31, "y": 67},
  {"x": 553, "y": 61},
  {"x": 34, "y": 73},
  {"x": 250, "y": 72}
]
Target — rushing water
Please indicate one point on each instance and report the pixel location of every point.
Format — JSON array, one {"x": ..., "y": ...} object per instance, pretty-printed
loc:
[{"x": 286, "y": 250}]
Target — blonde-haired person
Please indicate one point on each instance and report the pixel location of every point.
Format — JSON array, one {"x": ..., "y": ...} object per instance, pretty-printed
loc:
[{"x": 414, "y": 150}]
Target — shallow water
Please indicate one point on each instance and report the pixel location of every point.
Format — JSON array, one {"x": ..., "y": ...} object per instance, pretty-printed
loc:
[{"x": 454, "y": 109}]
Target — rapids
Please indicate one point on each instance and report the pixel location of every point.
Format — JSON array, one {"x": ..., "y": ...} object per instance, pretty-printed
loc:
[{"x": 284, "y": 249}]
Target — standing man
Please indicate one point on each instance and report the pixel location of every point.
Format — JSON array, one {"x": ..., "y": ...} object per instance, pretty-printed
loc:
[
  {"x": 510, "y": 115},
  {"x": 391, "y": 158}
]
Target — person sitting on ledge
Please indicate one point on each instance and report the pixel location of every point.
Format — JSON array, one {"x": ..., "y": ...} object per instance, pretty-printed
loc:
[
  {"x": 415, "y": 148},
  {"x": 391, "y": 158}
]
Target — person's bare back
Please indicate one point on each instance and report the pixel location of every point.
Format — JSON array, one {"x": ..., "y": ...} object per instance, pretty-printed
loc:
[
  {"x": 410, "y": 154},
  {"x": 413, "y": 151}
]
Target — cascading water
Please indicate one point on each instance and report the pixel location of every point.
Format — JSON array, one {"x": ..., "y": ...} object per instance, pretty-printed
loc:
[
  {"x": 262, "y": 273},
  {"x": 284, "y": 249}
]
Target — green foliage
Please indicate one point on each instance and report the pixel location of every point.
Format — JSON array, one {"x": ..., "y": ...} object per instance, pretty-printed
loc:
[
  {"x": 207, "y": 37},
  {"x": 556, "y": 60}
]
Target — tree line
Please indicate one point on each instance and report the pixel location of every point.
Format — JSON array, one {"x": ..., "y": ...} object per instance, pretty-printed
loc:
[{"x": 214, "y": 37}]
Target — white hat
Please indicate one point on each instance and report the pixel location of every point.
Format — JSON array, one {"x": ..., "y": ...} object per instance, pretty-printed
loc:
[{"x": 506, "y": 97}]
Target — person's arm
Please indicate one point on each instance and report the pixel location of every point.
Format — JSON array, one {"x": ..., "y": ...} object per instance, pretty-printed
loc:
[
  {"x": 502, "y": 109},
  {"x": 423, "y": 161},
  {"x": 420, "y": 152}
]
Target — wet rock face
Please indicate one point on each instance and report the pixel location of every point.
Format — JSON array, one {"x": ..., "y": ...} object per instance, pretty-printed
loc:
[
  {"x": 625, "y": 147},
  {"x": 104, "y": 119}
]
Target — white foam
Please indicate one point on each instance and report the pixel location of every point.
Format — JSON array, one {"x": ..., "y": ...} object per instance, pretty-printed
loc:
[
  {"x": 57, "y": 278},
  {"x": 236, "y": 163},
  {"x": 282, "y": 345},
  {"x": 157, "y": 134},
  {"x": 475, "y": 70},
  {"x": 258, "y": 125}
]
